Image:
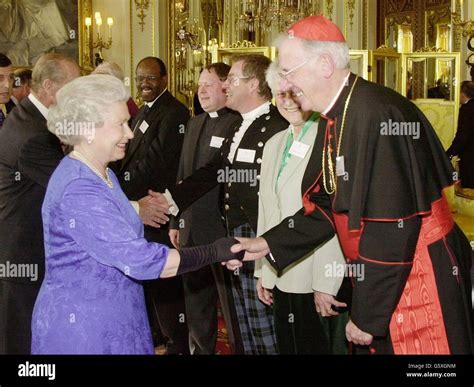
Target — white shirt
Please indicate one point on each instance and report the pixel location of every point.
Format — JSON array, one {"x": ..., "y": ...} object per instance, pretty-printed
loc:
[
  {"x": 344, "y": 83},
  {"x": 38, "y": 104},
  {"x": 248, "y": 118},
  {"x": 150, "y": 104}
]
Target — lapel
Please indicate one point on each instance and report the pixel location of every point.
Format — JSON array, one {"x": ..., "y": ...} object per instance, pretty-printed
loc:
[
  {"x": 278, "y": 149},
  {"x": 295, "y": 162},
  {"x": 313, "y": 169},
  {"x": 153, "y": 120},
  {"x": 137, "y": 136}
]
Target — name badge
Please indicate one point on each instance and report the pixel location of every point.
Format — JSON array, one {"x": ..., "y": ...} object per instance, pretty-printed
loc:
[
  {"x": 143, "y": 126},
  {"x": 299, "y": 149},
  {"x": 216, "y": 142},
  {"x": 245, "y": 155},
  {"x": 340, "y": 169}
]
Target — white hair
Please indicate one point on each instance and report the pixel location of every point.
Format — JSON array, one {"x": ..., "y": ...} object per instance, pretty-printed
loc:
[
  {"x": 110, "y": 68},
  {"x": 81, "y": 105},
  {"x": 272, "y": 77},
  {"x": 338, "y": 51}
]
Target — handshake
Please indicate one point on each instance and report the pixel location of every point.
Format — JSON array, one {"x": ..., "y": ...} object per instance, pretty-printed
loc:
[{"x": 154, "y": 209}]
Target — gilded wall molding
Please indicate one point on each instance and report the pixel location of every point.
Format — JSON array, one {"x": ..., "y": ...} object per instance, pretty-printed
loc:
[
  {"x": 350, "y": 7},
  {"x": 141, "y": 6},
  {"x": 329, "y": 9},
  {"x": 85, "y": 44},
  {"x": 365, "y": 24}
]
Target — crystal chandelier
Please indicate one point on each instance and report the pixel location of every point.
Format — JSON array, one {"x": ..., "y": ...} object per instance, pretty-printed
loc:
[{"x": 257, "y": 17}]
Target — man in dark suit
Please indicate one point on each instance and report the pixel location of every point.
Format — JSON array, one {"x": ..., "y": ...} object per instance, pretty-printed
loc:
[
  {"x": 21, "y": 85},
  {"x": 151, "y": 162},
  {"x": 203, "y": 222},
  {"x": 237, "y": 168},
  {"x": 463, "y": 143},
  {"x": 7, "y": 78},
  {"x": 29, "y": 153}
]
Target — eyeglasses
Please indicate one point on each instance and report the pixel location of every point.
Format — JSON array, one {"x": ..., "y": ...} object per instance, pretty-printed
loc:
[
  {"x": 286, "y": 94},
  {"x": 285, "y": 74},
  {"x": 235, "y": 79},
  {"x": 149, "y": 78}
]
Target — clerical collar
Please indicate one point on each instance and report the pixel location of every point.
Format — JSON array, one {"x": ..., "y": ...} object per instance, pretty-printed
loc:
[
  {"x": 150, "y": 104},
  {"x": 218, "y": 113},
  {"x": 345, "y": 82},
  {"x": 254, "y": 114},
  {"x": 39, "y": 105}
]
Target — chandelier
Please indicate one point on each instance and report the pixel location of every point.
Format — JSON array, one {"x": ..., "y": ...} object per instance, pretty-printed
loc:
[{"x": 257, "y": 17}]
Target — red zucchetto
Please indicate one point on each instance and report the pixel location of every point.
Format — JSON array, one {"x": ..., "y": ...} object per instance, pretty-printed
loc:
[{"x": 316, "y": 28}]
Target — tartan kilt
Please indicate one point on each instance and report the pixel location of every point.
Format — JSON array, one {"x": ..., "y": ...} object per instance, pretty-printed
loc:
[{"x": 254, "y": 317}]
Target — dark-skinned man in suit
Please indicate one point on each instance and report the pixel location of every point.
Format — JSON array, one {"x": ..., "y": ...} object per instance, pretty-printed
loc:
[{"x": 151, "y": 163}]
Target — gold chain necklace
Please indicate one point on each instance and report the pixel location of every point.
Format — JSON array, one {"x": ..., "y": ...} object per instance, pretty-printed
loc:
[
  {"x": 106, "y": 179},
  {"x": 328, "y": 150}
]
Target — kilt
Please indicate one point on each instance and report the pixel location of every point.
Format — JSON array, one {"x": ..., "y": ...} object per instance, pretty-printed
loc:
[{"x": 254, "y": 317}]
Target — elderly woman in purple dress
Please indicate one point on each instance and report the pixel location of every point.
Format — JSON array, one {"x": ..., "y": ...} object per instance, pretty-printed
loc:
[{"x": 91, "y": 300}]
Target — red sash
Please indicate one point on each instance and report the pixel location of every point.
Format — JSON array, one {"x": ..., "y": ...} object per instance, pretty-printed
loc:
[{"x": 417, "y": 324}]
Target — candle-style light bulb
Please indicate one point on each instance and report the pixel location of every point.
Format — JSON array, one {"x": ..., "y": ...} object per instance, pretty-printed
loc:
[
  {"x": 88, "y": 21},
  {"x": 98, "y": 21},
  {"x": 110, "y": 21}
]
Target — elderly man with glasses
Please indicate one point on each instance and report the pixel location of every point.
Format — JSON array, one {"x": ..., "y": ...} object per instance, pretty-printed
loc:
[{"x": 381, "y": 191}]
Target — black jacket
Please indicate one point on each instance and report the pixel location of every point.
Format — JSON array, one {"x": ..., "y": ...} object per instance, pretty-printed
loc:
[
  {"x": 203, "y": 221},
  {"x": 29, "y": 154},
  {"x": 152, "y": 157},
  {"x": 240, "y": 179}
]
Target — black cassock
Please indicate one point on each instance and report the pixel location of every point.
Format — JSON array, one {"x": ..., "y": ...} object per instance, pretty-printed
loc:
[{"x": 392, "y": 219}]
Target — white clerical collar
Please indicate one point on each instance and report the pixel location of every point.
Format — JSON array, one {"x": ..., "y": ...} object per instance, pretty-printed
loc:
[
  {"x": 344, "y": 83},
  {"x": 150, "y": 104},
  {"x": 254, "y": 114},
  {"x": 213, "y": 114},
  {"x": 39, "y": 105}
]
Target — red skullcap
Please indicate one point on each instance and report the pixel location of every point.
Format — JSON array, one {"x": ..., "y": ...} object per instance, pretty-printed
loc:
[{"x": 316, "y": 28}]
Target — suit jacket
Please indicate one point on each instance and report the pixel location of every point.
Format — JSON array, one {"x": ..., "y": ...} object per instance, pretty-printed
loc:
[
  {"x": 152, "y": 157},
  {"x": 240, "y": 178},
  {"x": 203, "y": 221},
  {"x": 9, "y": 107},
  {"x": 317, "y": 269},
  {"x": 29, "y": 154}
]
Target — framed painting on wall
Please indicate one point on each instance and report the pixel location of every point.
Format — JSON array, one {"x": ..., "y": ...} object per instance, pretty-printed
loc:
[{"x": 29, "y": 28}]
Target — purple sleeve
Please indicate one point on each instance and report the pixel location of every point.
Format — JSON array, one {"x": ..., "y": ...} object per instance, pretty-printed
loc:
[{"x": 96, "y": 223}]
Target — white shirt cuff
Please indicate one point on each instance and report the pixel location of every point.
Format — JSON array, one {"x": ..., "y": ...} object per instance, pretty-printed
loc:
[
  {"x": 173, "y": 207},
  {"x": 135, "y": 206}
]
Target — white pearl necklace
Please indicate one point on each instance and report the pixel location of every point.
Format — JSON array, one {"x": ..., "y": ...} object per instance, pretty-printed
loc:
[{"x": 84, "y": 159}]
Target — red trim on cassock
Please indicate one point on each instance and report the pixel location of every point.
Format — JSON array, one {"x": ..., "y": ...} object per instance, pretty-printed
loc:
[
  {"x": 417, "y": 324},
  {"x": 384, "y": 263},
  {"x": 309, "y": 206}
]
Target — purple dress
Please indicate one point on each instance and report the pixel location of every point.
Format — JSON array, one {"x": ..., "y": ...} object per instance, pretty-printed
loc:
[{"x": 91, "y": 300}]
